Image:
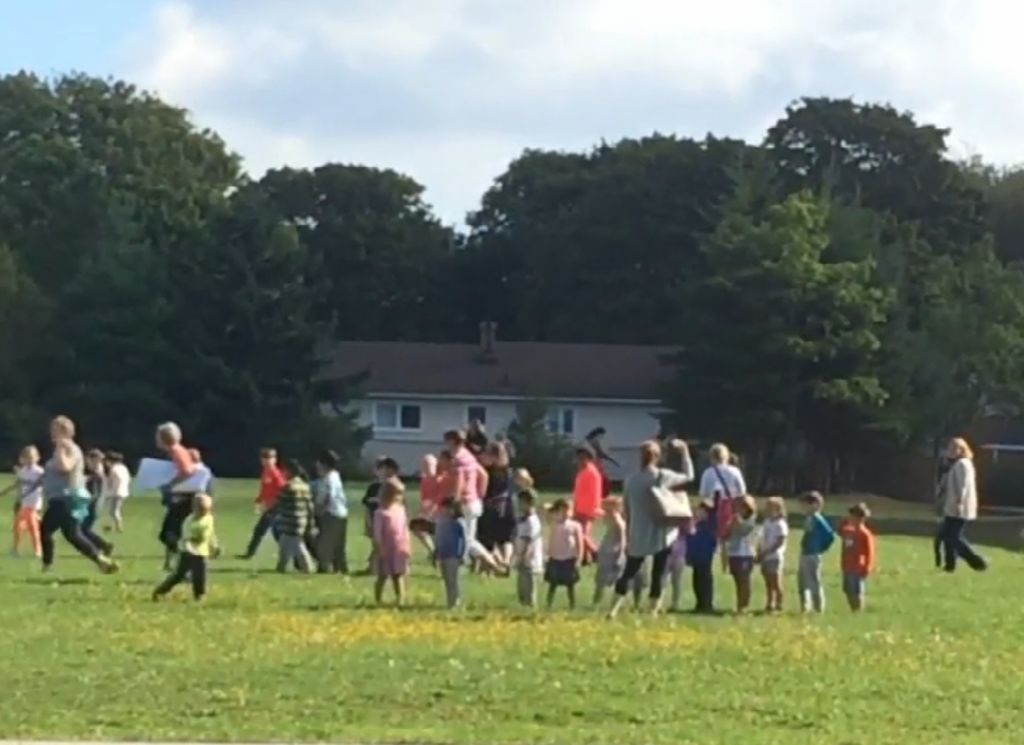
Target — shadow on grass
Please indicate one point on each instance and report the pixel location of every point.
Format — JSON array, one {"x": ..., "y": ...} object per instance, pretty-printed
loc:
[{"x": 998, "y": 533}]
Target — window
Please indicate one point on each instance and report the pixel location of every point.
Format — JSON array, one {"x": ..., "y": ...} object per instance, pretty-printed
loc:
[
  {"x": 396, "y": 417},
  {"x": 561, "y": 420},
  {"x": 476, "y": 414}
]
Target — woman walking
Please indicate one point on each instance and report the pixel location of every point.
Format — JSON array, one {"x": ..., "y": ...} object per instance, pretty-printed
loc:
[
  {"x": 67, "y": 500},
  {"x": 177, "y": 494},
  {"x": 959, "y": 492},
  {"x": 647, "y": 532}
]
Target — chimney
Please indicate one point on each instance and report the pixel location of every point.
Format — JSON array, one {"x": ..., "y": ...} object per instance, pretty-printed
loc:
[{"x": 488, "y": 338}]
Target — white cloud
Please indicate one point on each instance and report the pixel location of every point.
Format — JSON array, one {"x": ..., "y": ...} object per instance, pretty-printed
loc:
[{"x": 450, "y": 90}]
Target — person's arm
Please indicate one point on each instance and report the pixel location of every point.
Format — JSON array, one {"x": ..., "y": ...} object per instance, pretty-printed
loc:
[
  {"x": 64, "y": 456},
  {"x": 378, "y": 528},
  {"x": 580, "y": 548},
  {"x": 460, "y": 539},
  {"x": 828, "y": 533},
  {"x": 869, "y": 552},
  {"x": 483, "y": 480},
  {"x": 708, "y": 484},
  {"x": 185, "y": 466},
  {"x": 620, "y": 529},
  {"x": 741, "y": 483}
]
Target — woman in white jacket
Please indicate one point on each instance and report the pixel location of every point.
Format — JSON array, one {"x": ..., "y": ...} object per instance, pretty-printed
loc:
[{"x": 959, "y": 495}]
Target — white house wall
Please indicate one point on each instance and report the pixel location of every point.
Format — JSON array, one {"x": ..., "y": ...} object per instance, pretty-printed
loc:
[{"x": 628, "y": 425}]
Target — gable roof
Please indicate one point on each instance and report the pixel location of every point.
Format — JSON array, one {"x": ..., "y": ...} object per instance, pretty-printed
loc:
[{"x": 519, "y": 369}]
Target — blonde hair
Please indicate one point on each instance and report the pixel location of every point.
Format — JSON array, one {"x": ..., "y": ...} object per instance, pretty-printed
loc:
[
  {"x": 64, "y": 425},
  {"x": 749, "y": 504},
  {"x": 719, "y": 454},
  {"x": 169, "y": 433},
  {"x": 28, "y": 453},
  {"x": 962, "y": 448},
  {"x": 650, "y": 453},
  {"x": 203, "y": 502},
  {"x": 428, "y": 465},
  {"x": 524, "y": 476},
  {"x": 392, "y": 490},
  {"x": 777, "y": 503}
]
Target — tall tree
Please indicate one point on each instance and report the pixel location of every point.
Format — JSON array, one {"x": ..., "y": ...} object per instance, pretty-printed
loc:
[
  {"x": 781, "y": 333},
  {"x": 379, "y": 259}
]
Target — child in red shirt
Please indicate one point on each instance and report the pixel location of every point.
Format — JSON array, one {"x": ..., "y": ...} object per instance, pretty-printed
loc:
[
  {"x": 858, "y": 555},
  {"x": 272, "y": 481}
]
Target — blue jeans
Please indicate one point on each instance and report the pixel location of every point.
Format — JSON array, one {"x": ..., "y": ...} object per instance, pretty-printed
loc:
[{"x": 266, "y": 524}]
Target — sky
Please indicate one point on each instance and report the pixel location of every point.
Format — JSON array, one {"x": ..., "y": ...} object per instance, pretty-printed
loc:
[{"x": 450, "y": 91}]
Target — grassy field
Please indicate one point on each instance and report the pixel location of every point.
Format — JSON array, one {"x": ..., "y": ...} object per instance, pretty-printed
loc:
[{"x": 937, "y": 658}]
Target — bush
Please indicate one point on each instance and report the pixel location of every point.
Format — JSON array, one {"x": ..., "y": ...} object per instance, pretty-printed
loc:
[{"x": 548, "y": 457}]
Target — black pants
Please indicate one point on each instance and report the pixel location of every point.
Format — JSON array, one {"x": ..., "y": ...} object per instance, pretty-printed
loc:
[
  {"x": 58, "y": 517},
  {"x": 90, "y": 517},
  {"x": 634, "y": 564},
  {"x": 174, "y": 518},
  {"x": 189, "y": 565},
  {"x": 955, "y": 545},
  {"x": 95, "y": 539},
  {"x": 704, "y": 586},
  {"x": 263, "y": 526},
  {"x": 937, "y": 545}
]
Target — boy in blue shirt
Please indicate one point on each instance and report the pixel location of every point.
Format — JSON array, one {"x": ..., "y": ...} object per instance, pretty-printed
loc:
[
  {"x": 450, "y": 548},
  {"x": 700, "y": 555},
  {"x": 817, "y": 540}
]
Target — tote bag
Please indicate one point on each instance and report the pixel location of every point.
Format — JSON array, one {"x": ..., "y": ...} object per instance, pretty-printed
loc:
[{"x": 670, "y": 506}]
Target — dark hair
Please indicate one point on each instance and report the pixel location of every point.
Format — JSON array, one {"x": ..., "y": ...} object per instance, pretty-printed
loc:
[
  {"x": 585, "y": 452},
  {"x": 388, "y": 463},
  {"x": 451, "y": 503},
  {"x": 559, "y": 504},
  {"x": 328, "y": 459},
  {"x": 527, "y": 497},
  {"x": 95, "y": 453},
  {"x": 455, "y": 435},
  {"x": 292, "y": 466},
  {"x": 813, "y": 497},
  {"x": 596, "y": 432},
  {"x": 860, "y": 510},
  {"x": 115, "y": 457},
  {"x": 268, "y": 453}
]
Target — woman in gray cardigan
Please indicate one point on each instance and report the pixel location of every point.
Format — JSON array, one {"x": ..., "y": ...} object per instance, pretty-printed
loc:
[
  {"x": 647, "y": 533},
  {"x": 958, "y": 495}
]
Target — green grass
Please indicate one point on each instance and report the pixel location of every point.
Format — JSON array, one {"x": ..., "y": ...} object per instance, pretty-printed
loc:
[{"x": 937, "y": 658}]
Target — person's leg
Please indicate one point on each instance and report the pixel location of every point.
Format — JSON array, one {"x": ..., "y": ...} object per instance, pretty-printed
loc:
[
  {"x": 399, "y": 584},
  {"x": 966, "y": 552},
  {"x": 50, "y": 525},
  {"x": 285, "y": 552},
  {"x": 571, "y": 592},
  {"x": 341, "y": 545},
  {"x": 259, "y": 532},
  {"x": 524, "y": 579},
  {"x": 703, "y": 583},
  {"x": 72, "y": 533},
  {"x": 105, "y": 546},
  {"x": 743, "y": 589},
  {"x": 658, "y": 576},
  {"x": 198, "y": 572},
  {"x": 633, "y": 565},
  {"x": 598, "y": 593},
  {"x": 551, "y": 594},
  {"x": 817, "y": 588},
  {"x": 950, "y": 530},
  {"x": 937, "y": 546},
  {"x": 117, "y": 507},
  {"x": 31, "y": 521},
  {"x": 378, "y": 588},
  {"x": 18, "y": 528},
  {"x": 303, "y": 559},
  {"x": 179, "y": 574},
  {"x": 677, "y": 586},
  {"x": 449, "y": 569},
  {"x": 803, "y": 584},
  {"x": 326, "y": 550}
]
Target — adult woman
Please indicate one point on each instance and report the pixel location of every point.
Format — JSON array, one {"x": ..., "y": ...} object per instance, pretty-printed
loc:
[
  {"x": 67, "y": 500},
  {"x": 959, "y": 492},
  {"x": 177, "y": 494},
  {"x": 722, "y": 483},
  {"x": 587, "y": 493},
  {"x": 498, "y": 522},
  {"x": 476, "y": 438},
  {"x": 601, "y": 457},
  {"x": 470, "y": 485},
  {"x": 647, "y": 532}
]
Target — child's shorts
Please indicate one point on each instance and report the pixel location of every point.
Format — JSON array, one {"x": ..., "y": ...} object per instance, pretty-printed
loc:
[
  {"x": 741, "y": 566},
  {"x": 771, "y": 567},
  {"x": 854, "y": 585},
  {"x": 561, "y": 572}
]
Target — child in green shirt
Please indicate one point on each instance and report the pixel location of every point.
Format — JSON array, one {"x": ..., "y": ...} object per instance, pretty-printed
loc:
[{"x": 198, "y": 545}]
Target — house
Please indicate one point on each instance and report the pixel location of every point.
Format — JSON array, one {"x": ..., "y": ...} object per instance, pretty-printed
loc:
[{"x": 413, "y": 392}]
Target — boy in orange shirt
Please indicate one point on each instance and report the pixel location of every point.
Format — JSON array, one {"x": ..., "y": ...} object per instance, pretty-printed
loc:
[{"x": 858, "y": 555}]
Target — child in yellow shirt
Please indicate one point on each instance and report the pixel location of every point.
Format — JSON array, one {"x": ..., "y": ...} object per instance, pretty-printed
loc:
[{"x": 198, "y": 545}]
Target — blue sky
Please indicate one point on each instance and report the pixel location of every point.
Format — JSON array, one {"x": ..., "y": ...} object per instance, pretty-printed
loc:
[{"x": 450, "y": 91}]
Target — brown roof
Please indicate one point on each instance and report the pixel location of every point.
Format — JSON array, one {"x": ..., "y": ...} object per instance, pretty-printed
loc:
[{"x": 523, "y": 369}]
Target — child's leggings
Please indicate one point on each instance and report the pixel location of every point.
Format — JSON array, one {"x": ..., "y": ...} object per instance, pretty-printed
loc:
[
  {"x": 526, "y": 587},
  {"x": 189, "y": 566},
  {"x": 809, "y": 582},
  {"x": 450, "y": 569},
  {"x": 27, "y": 521}
]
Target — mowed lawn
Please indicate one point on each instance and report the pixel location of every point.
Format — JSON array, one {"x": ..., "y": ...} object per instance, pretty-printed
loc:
[{"x": 937, "y": 659}]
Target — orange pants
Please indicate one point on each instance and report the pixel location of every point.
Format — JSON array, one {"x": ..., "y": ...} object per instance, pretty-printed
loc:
[{"x": 27, "y": 521}]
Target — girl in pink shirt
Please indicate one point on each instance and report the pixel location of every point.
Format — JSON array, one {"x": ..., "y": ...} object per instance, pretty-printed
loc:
[
  {"x": 391, "y": 541},
  {"x": 565, "y": 554}
]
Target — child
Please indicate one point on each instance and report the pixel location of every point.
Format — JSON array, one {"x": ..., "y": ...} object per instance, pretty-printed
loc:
[
  {"x": 816, "y": 541},
  {"x": 858, "y": 555},
  {"x": 677, "y": 564},
  {"x": 29, "y": 503},
  {"x": 198, "y": 545},
  {"x": 772, "y": 552},
  {"x": 565, "y": 554},
  {"x": 272, "y": 481},
  {"x": 331, "y": 507},
  {"x": 95, "y": 478},
  {"x": 391, "y": 543},
  {"x": 385, "y": 468},
  {"x": 529, "y": 549},
  {"x": 423, "y": 525},
  {"x": 116, "y": 489},
  {"x": 450, "y": 548},
  {"x": 294, "y": 513},
  {"x": 700, "y": 555},
  {"x": 611, "y": 553},
  {"x": 739, "y": 546}
]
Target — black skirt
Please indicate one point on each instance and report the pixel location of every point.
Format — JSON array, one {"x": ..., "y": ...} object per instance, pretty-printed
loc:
[{"x": 561, "y": 572}]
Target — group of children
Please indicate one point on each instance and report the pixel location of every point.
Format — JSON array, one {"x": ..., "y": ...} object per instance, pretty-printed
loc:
[{"x": 107, "y": 480}]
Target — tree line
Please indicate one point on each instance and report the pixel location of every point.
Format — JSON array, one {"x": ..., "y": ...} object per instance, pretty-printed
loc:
[{"x": 842, "y": 286}]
